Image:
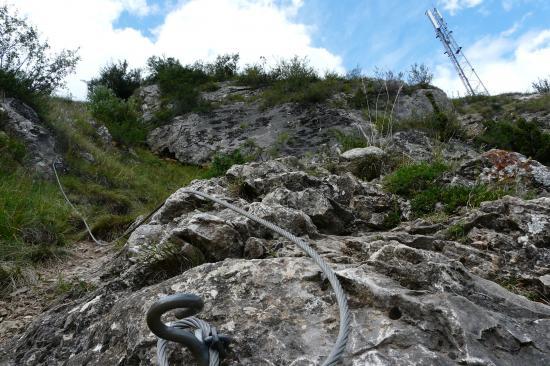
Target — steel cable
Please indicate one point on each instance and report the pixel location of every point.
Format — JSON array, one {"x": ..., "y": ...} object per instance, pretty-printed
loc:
[{"x": 341, "y": 341}]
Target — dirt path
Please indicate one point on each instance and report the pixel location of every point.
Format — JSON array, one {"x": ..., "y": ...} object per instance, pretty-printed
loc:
[{"x": 61, "y": 280}]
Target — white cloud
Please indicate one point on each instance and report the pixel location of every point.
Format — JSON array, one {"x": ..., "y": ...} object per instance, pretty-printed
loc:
[
  {"x": 454, "y": 5},
  {"x": 504, "y": 64},
  {"x": 194, "y": 29}
]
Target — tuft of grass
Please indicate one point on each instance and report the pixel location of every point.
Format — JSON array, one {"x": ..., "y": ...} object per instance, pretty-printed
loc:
[
  {"x": 414, "y": 178},
  {"x": 349, "y": 141},
  {"x": 453, "y": 197}
]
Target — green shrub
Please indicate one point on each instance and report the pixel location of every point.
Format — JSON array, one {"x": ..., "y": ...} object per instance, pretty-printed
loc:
[
  {"x": 120, "y": 116},
  {"x": 12, "y": 153},
  {"x": 223, "y": 68},
  {"x": 420, "y": 75},
  {"x": 542, "y": 86},
  {"x": 179, "y": 85},
  {"x": 412, "y": 179},
  {"x": 255, "y": 76},
  {"x": 117, "y": 77},
  {"x": 222, "y": 162},
  {"x": 521, "y": 136}
]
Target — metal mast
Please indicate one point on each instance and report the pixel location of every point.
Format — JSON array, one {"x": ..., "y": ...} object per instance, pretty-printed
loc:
[{"x": 463, "y": 67}]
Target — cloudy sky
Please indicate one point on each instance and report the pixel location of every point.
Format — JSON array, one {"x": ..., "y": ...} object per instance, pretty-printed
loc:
[{"x": 507, "y": 41}]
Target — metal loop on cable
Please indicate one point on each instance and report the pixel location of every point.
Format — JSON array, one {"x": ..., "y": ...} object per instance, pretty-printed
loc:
[{"x": 209, "y": 344}]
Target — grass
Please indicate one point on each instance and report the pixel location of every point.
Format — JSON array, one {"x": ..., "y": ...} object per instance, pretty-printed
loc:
[
  {"x": 119, "y": 185},
  {"x": 411, "y": 179},
  {"x": 418, "y": 182},
  {"x": 349, "y": 141}
]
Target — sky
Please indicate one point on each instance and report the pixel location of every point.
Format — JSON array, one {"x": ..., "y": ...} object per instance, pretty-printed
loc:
[{"x": 507, "y": 41}]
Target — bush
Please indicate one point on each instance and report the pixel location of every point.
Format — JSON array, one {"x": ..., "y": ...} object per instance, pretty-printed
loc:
[
  {"x": 179, "y": 85},
  {"x": 255, "y": 76},
  {"x": 28, "y": 69},
  {"x": 418, "y": 182},
  {"x": 542, "y": 86},
  {"x": 117, "y": 77},
  {"x": 223, "y": 68},
  {"x": 120, "y": 116},
  {"x": 222, "y": 162},
  {"x": 525, "y": 137},
  {"x": 420, "y": 75},
  {"x": 33, "y": 218}
]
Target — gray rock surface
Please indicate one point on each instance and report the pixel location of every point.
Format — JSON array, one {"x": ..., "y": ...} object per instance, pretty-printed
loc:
[
  {"x": 287, "y": 129},
  {"x": 420, "y": 294},
  {"x": 418, "y": 103},
  {"x": 24, "y": 124}
]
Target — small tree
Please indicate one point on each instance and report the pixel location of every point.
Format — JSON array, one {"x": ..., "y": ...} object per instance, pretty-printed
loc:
[
  {"x": 119, "y": 78},
  {"x": 419, "y": 74},
  {"x": 27, "y": 66},
  {"x": 542, "y": 86}
]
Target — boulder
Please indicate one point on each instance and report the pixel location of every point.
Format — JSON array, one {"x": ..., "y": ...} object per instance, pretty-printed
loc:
[
  {"x": 500, "y": 166},
  {"x": 23, "y": 123}
]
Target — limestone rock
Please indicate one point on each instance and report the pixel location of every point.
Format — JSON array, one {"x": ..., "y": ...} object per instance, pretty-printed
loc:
[{"x": 24, "y": 124}]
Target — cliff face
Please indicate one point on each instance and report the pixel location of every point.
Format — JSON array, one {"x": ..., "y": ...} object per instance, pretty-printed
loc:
[{"x": 239, "y": 120}]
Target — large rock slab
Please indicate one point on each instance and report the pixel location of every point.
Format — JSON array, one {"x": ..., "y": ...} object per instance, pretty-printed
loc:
[{"x": 409, "y": 306}]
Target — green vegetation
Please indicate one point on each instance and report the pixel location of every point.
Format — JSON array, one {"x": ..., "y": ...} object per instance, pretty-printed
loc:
[
  {"x": 297, "y": 81},
  {"x": 542, "y": 85},
  {"x": 28, "y": 69},
  {"x": 120, "y": 116},
  {"x": 440, "y": 125},
  {"x": 411, "y": 179},
  {"x": 524, "y": 137},
  {"x": 453, "y": 197},
  {"x": 349, "y": 141},
  {"x": 110, "y": 191},
  {"x": 117, "y": 77},
  {"x": 222, "y": 162},
  {"x": 418, "y": 182}
]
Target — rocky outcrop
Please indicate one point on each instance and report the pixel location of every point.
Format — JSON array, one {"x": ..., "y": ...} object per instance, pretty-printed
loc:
[
  {"x": 421, "y": 293},
  {"x": 23, "y": 123},
  {"x": 505, "y": 167},
  {"x": 287, "y": 129},
  {"x": 421, "y": 103}
]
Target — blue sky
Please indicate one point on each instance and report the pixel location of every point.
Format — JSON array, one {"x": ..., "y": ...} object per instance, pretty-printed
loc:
[{"x": 508, "y": 41}]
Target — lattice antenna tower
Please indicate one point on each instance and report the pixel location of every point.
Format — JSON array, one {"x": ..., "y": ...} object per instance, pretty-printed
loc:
[{"x": 465, "y": 70}]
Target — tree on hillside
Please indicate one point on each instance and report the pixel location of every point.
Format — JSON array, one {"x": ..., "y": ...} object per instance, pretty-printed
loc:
[
  {"x": 119, "y": 78},
  {"x": 28, "y": 67}
]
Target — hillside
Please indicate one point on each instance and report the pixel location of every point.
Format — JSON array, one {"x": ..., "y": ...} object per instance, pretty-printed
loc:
[{"x": 434, "y": 214}]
